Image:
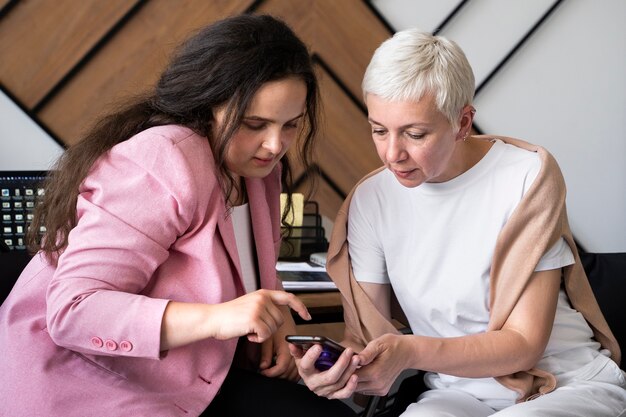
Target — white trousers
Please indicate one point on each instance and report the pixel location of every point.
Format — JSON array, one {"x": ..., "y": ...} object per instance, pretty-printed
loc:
[{"x": 601, "y": 394}]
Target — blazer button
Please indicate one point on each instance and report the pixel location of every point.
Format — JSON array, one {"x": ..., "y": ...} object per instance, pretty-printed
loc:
[
  {"x": 126, "y": 346},
  {"x": 110, "y": 345},
  {"x": 97, "y": 342}
]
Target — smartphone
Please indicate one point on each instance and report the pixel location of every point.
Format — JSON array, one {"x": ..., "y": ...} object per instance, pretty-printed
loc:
[{"x": 330, "y": 349}]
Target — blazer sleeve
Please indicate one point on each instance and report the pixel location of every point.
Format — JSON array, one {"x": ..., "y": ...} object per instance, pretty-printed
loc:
[{"x": 137, "y": 200}]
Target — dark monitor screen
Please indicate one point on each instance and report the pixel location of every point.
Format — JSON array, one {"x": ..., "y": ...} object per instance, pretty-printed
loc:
[{"x": 19, "y": 193}]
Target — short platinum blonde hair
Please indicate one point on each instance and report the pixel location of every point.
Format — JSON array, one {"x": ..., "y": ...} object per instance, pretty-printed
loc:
[{"x": 414, "y": 63}]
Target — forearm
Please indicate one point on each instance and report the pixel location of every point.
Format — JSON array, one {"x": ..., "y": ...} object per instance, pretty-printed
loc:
[
  {"x": 518, "y": 346},
  {"x": 489, "y": 354},
  {"x": 185, "y": 323},
  {"x": 256, "y": 315}
]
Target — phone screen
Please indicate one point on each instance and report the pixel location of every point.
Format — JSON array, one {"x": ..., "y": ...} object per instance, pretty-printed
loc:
[{"x": 330, "y": 349}]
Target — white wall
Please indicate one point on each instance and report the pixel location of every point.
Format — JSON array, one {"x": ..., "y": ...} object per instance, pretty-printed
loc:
[
  {"x": 24, "y": 145},
  {"x": 565, "y": 89}
]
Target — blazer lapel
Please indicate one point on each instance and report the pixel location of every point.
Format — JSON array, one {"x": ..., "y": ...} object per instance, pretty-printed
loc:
[
  {"x": 262, "y": 230},
  {"x": 227, "y": 233}
]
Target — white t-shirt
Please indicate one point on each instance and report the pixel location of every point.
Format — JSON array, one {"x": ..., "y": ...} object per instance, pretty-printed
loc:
[
  {"x": 434, "y": 244},
  {"x": 245, "y": 245}
]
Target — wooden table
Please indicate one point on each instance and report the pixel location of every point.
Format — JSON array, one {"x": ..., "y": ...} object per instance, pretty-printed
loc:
[
  {"x": 326, "y": 312},
  {"x": 324, "y": 306}
]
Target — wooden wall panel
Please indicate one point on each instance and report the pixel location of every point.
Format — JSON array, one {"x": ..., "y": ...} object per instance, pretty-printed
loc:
[
  {"x": 131, "y": 61},
  {"x": 40, "y": 41},
  {"x": 348, "y": 39},
  {"x": 343, "y": 33},
  {"x": 346, "y": 150},
  {"x": 329, "y": 200}
]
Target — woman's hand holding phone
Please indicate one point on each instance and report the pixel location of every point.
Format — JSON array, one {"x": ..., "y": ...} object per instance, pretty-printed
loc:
[
  {"x": 330, "y": 349},
  {"x": 329, "y": 380}
]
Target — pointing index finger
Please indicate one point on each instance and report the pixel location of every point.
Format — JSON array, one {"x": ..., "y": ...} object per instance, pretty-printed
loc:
[{"x": 287, "y": 299}]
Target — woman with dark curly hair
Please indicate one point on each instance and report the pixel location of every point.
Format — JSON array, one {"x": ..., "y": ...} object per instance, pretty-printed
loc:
[{"x": 163, "y": 226}]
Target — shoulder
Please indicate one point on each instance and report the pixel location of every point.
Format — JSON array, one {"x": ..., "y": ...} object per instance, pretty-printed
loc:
[
  {"x": 161, "y": 141},
  {"x": 169, "y": 150},
  {"x": 512, "y": 164},
  {"x": 376, "y": 182},
  {"x": 512, "y": 154},
  {"x": 374, "y": 194},
  {"x": 538, "y": 163},
  {"x": 521, "y": 150},
  {"x": 169, "y": 160},
  {"x": 521, "y": 159}
]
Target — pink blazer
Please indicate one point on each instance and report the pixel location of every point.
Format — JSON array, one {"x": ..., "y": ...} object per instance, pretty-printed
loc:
[{"x": 83, "y": 338}]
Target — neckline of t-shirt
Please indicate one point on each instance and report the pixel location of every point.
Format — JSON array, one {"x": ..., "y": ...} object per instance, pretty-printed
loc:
[{"x": 481, "y": 168}]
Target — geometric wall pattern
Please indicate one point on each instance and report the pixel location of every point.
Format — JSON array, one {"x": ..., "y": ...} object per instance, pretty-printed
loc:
[{"x": 66, "y": 61}]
